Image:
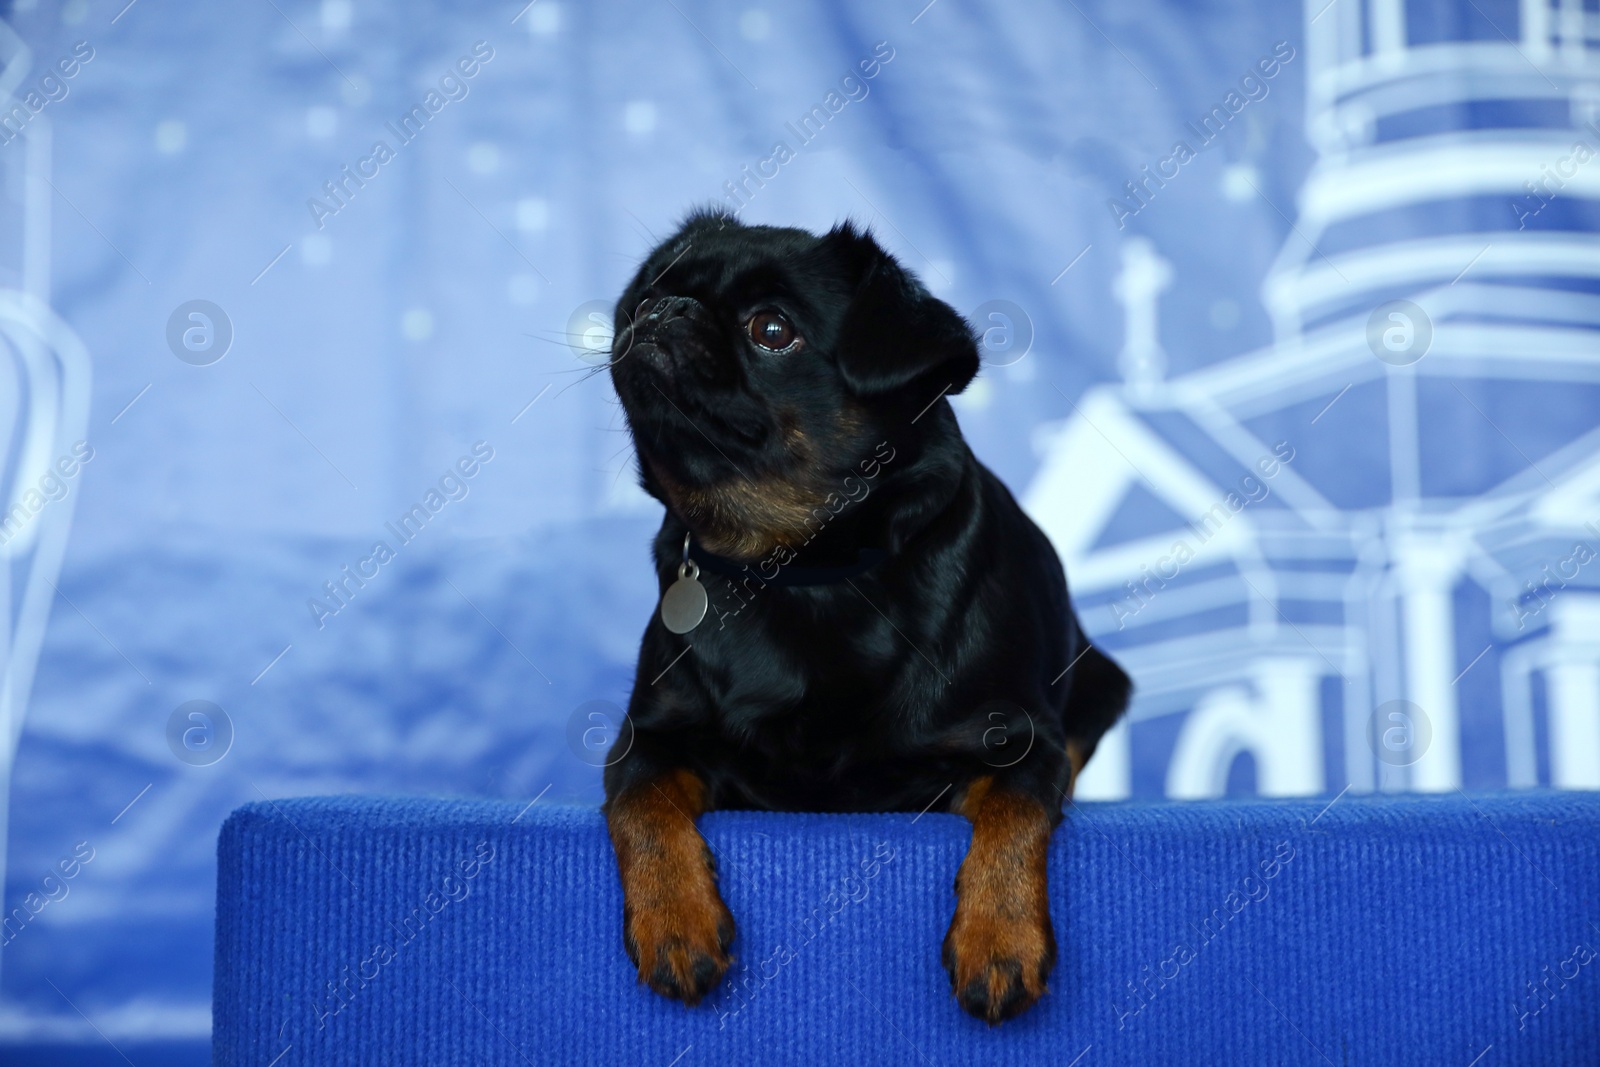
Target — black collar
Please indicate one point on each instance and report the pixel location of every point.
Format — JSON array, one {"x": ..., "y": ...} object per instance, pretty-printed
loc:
[{"x": 768, "y": 572}]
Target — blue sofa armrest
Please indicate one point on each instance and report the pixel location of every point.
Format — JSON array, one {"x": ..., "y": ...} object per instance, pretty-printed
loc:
[{"x": 1390, "y": 931}]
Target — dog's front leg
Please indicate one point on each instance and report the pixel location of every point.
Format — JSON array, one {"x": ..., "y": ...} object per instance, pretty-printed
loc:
[
  {"x": 1000, "y": 946},
  {"x": 676, "y": 928}
]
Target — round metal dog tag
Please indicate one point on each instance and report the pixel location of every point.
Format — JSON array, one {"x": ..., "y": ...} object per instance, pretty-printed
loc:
[{"x": 685, "y": 602}]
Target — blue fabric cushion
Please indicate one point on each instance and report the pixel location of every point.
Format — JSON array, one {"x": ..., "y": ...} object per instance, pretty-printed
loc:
[{"x": 1390, "y": 931}]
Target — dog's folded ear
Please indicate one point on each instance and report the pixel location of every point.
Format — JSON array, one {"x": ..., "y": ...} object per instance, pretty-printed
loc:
[{"x": 896, "y": 332}]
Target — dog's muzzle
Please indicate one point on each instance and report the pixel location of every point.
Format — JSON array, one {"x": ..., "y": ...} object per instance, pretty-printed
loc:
[{"x": 673, "y": 327}]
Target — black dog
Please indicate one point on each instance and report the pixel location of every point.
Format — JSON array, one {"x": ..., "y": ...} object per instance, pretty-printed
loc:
[{"x": 856, "y": 614}]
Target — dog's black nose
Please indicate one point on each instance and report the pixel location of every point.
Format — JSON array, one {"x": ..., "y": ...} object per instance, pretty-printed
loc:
[{"x": 666, "y": 309}]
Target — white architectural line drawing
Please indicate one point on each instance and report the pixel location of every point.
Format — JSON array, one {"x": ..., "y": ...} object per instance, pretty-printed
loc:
[
  {"x": 44, "y": 410},
  {"x": 1302, "y": 613}
]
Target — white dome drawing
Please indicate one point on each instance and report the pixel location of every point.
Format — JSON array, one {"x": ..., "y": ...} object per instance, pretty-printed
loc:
[{"x": 1441, "y": 254}]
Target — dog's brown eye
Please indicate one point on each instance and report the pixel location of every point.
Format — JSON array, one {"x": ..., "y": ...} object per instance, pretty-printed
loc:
[{"x": 771, "y": 331}]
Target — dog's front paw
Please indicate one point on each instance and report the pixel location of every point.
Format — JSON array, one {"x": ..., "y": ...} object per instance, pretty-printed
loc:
[
  {"x": 680, "y": 941},
  {"x": 997, "y": 962}
]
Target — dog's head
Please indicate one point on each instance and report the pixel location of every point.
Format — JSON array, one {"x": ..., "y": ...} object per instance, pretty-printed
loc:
[{"x": 760, "y": 366}]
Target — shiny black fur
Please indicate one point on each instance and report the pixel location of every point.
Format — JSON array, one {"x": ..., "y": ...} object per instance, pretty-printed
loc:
[{"x": 956, "y": 656}]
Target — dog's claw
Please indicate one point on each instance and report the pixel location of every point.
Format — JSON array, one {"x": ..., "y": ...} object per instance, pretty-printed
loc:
[
  {"x": 681, "y": 946},
  {"x": 997, "y": 968}
]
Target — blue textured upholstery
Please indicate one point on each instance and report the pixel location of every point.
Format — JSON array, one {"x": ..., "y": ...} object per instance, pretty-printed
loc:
[{"x": 1378, "y": 931}]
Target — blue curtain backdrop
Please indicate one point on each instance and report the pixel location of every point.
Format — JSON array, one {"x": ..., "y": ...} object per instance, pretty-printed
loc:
[{"x": 1290, "y": 321}]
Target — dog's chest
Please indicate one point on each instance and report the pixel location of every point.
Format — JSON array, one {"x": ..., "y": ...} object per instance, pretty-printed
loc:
[
  {"x": 800, "y": 665},
  {"x": 813, "y": 761},
  {"x": 816, "y": 710}
]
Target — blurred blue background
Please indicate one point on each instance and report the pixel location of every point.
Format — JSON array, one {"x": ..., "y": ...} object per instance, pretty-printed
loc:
[{"x": 1290, "y": 321}]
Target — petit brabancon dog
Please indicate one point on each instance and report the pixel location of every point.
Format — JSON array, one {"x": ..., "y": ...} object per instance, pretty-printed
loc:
[{"x": 855, "y": 616}]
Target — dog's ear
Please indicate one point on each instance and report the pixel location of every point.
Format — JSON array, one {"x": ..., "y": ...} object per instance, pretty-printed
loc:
[{"x": 895, "y": 332}]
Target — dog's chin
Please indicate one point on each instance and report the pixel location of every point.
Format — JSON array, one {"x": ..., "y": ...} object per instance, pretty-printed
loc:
[
  {"x": 671, "y": 428},
  {"x": 656, "y": 361}
]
